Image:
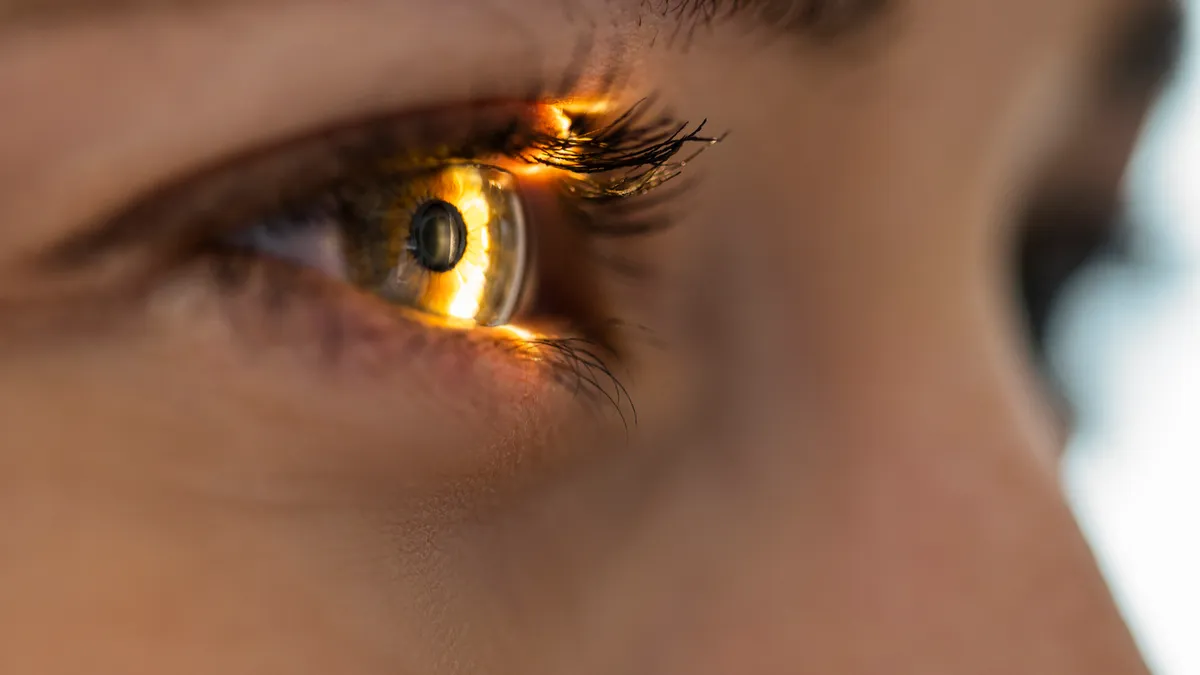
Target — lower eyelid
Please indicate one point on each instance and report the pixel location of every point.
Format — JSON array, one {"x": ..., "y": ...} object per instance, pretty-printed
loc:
[
  {"x": 289, "y": 319},
  {"x": 264, "y": 306},
  {"x": 336, "y": 369}
]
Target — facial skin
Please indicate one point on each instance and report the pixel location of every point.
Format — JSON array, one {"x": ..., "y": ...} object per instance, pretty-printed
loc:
[{"x": 844, "y": 459}]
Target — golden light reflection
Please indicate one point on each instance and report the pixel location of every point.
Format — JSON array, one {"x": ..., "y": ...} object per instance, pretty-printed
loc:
[
  {"x": 563, "y": 115},
  {"x": 460, "y": 292},
  {"x": 581, "y": 107},
  {"x": 560, "y": 119},
  {"x": 519, "y": 333},
  {"x": 530, "y": 169}
]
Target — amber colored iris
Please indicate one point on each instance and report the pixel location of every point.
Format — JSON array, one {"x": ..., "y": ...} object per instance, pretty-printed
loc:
[{"x": 449, "y": 242}]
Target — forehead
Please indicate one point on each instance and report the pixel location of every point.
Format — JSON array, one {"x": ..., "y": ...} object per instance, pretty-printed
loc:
[{"x": 935, "y": 20}]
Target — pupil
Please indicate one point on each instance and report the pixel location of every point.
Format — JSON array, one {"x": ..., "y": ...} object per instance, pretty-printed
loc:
[{"x": 439, "y": 236}]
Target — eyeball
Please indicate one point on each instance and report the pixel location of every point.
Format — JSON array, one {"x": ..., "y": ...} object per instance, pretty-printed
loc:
[{"x": 449, "y": 241}]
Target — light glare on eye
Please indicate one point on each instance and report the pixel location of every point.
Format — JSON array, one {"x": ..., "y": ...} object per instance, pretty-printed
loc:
[
  {"x": 519, "y": 333},
  {"x": 462, "y": 290}
]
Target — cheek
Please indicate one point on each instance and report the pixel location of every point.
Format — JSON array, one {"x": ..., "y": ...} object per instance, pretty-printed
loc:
[{"x": 202, "y": 405}]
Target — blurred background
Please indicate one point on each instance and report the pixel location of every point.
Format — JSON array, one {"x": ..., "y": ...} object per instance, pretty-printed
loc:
[{"x": 1127, "y": 344}]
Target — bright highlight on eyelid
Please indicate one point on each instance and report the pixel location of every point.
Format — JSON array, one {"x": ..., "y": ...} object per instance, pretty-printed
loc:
[
  {"x": 566, "y": 113},
  {"x": 562, "y": 121},
  {"x": 518, "y": 333},
  {"x": 561, "y": 118},
  {"x": 578, "y": 107}
]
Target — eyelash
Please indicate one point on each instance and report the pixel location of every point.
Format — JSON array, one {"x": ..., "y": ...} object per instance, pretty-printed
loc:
[{"x": 646, "y": 145}]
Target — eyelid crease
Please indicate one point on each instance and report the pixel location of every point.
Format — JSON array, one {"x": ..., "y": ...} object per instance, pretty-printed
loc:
[{"x": 606, "y": 158}]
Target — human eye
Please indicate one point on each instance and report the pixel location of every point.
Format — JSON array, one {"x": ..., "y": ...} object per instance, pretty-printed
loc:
[
  {"x": 466, "y": 225},
  {"x": 449, "y": 241}
]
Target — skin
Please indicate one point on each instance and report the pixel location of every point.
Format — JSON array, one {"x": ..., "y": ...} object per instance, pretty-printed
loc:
[{"x": 845, "y": 460}]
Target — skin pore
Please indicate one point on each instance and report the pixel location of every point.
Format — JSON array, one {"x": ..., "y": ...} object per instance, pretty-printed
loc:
[{"x": 843, "y": 458}]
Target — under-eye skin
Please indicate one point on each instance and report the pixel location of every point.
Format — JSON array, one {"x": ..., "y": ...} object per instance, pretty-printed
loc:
[{"x": 417, "y": 224}]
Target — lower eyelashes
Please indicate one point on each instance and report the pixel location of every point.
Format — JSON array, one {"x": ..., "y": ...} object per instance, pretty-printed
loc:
[{"x": 272, "y": 306}]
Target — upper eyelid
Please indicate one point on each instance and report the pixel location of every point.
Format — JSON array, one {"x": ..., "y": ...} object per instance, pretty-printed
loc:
[
  {"x": 178, "y": 216},
  {"x": 135, "y": 104},
  {"x": 637, "y": 149}
]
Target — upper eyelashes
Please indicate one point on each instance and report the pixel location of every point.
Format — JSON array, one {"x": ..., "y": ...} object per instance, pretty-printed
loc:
[
  {"x": 603, "y": 156},
  {"x": 444, "y": 231},
  {"x": 646, "y": 146}
]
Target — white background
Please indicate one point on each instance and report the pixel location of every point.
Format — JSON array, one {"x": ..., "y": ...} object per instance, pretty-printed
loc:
[{"x": 1128, "y": 344}]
